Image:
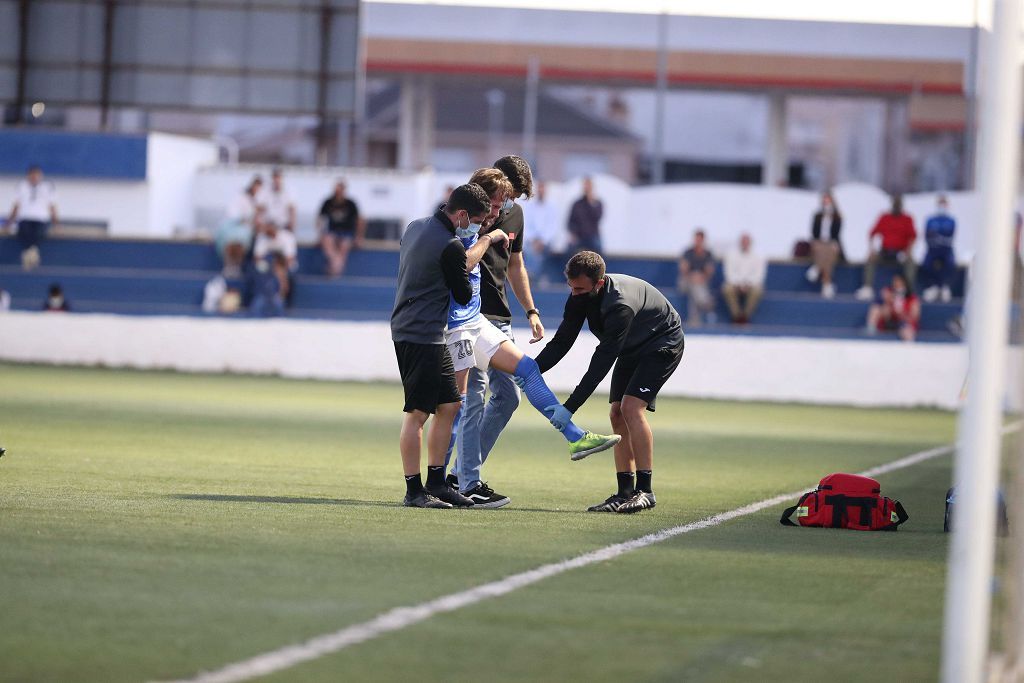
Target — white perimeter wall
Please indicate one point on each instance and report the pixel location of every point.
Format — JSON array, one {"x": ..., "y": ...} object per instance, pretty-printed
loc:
[
  {"x": 648, "y": 221},
  {"x": 160, "y": 206},
  {"x": 860, "y": 373}
]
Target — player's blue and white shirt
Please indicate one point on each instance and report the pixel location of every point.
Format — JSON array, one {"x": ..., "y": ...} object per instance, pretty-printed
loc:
[
  {"x": 938, "y": 231},
  {"x": 459, "y": 314}
]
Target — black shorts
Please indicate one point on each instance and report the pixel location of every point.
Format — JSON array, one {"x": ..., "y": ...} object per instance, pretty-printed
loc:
[
  {"x": 644, "y": 376},
  {"x": 428, "y": 376}
]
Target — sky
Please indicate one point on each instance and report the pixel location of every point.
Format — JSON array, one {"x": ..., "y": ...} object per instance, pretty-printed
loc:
[{"x": 925, "y": 12}]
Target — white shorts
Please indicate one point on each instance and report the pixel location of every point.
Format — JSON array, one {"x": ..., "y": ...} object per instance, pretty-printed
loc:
[{"x": 474, "y": 343}]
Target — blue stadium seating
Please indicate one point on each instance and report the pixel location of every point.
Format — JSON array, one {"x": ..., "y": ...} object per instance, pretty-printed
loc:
[{"x": 140, "y": 277}]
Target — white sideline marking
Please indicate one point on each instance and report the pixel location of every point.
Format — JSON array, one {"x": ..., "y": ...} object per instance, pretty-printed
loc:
[{"x": 403, "y": 617}]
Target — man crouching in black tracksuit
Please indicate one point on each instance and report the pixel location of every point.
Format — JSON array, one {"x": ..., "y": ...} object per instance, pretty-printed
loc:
[{"x": 642, "y": 335}]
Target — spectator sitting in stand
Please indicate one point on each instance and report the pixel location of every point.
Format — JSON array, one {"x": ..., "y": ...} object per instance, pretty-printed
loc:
[
  {"x": 825, "y": 247},
  {"x": 278, "y": 204},
  {"x": 745, "y": 273},
  {"x": 939, "y": 265},
  {"x": 35, "y": 209},
  {"x": 274, "y": 241},
  {"x": 897, "y": 309},
  {"x": 55, "y": 301},
  {"x": 896, "y": 230},
  {"x": 341, "y": 228},
  {"x": 268, "y": 287},
  {"x": 696, "y": 268},
  {"x": 235, "y": 235}
]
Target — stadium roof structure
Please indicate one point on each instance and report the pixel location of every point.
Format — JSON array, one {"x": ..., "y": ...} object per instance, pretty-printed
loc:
[
  {"x": 926, "y": 64},
  {"x": 464, "y": 108}
]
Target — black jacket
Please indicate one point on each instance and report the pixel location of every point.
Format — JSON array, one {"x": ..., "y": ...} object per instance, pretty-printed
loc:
[
  {"x": 629, "y": 316},
  {"x": 431, "y": 267}
]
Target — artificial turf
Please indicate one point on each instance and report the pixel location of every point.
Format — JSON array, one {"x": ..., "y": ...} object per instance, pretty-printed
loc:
[{"x": 153, "y": 525}]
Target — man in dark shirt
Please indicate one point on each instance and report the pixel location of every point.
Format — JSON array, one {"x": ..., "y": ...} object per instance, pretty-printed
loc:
[
  {"x": 341, "y": 228},
  {"x": 484, "y": 421},
  {"x": 696, "y": 270},
  {"x": 641, "y": 334},
  {"x": 585, "y": 220},
  {"x": 431, "y": 272}
]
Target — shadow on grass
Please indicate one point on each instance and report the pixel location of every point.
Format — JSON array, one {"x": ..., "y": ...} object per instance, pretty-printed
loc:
[
  {"x": 295, "y": 500},
  {"x": 285, "y": 500}
]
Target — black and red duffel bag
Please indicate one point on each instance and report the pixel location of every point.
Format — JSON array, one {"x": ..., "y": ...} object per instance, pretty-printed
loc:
[{"x": 847, "y": 501}]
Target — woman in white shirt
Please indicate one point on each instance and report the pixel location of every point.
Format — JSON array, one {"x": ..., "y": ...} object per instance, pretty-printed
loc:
[{"x": 235, "y": 234}]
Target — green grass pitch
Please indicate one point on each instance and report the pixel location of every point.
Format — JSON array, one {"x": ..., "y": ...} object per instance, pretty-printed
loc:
[{"x": 153, "y": 525}]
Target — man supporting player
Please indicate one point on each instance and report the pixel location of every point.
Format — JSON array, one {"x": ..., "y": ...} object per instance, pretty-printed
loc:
[
  {"x": 431, "y": 272},
  {"x": 641, "y": 333},
  {"x": 484, "y": 420},
  {"x": 473, "y": 342}
]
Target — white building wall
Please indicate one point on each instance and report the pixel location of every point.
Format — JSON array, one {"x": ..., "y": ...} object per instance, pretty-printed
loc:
[{"x": 860, "y": 373}]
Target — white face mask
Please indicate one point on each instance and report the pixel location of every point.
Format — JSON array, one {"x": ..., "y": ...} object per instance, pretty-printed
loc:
[
  {"x": 469, "y": 230},
  {"x": 507, "y": 205}
]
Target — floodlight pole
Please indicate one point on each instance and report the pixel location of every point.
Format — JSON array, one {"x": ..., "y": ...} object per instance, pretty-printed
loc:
[
  {"x": 660, "y": 89},
  {"x": 530, "y": 110},
  {"x": 968, "y": 601},
  {"x": 19, "y": 96}
]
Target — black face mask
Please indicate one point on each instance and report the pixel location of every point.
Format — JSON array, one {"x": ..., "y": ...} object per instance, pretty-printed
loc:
[{"x": 588, "y": 296}]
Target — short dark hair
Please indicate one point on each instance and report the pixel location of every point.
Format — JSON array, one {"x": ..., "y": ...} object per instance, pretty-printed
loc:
[
  {"x": 469, "y": 197},
  {"x": 518, "y": 173},
  {"x": 587, "y": 263}
]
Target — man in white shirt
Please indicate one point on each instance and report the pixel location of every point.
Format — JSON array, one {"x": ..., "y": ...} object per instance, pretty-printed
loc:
[
  {"x": 744, "y": 279},
  {"x": 35, "y": 210},
  {"x": 542, "y": 225},
  {"x": 278, "y": 204},
  {"x": 276, "y": 240}
]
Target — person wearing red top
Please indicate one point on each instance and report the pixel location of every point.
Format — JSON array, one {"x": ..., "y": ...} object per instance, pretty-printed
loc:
[
  {"x": 897, "y": 233},
  {"x": 897, "y": 310}
]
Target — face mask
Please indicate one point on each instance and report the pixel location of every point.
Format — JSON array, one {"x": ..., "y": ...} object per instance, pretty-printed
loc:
[
  {"x": 507, "y": 206},
  {"x": 469, "y": 230},
  {"x": 589, "y": 296}
]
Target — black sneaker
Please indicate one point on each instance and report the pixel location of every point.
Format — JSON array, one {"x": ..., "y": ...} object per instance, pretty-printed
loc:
[
  {"x": 611, "y": 504},
  {"x": 425, "y": 500},
  {"x": 640, "y": 500},
  {"x": 483, "y": 496},
  {"x": 451, "y": 496},
  {"x": 452, "y": 480}
]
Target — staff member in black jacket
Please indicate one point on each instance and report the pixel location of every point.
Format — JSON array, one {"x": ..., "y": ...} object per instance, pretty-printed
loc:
[
  {"x": 641, "y": 334},
  {"x": 431, "y": 269}
]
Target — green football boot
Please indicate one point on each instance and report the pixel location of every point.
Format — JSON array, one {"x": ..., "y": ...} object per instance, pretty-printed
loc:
[{"x": 591, "y": 443}]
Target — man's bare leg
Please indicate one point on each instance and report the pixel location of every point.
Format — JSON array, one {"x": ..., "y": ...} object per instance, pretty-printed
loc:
[
  {"x": 624, "y": 463},
  {"x": 410, "y": 441},
  {"x": 641, "y": 442}
]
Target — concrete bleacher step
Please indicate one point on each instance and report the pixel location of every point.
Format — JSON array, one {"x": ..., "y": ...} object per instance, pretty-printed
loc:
[
  {"x": 790, "y": 277},
  {"x": 780, "y": 309},
  {"x": 178, "y": 256},
  {"x": 140, "y": 277}
]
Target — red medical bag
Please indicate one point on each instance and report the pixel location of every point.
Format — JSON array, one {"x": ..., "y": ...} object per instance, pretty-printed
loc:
[{"x": 847, "y": 501}]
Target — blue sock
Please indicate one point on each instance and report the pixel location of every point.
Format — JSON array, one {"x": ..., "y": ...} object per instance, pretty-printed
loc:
[
  {"x": 455, "y": 433},
  {"x": 540, "y": 396}
]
